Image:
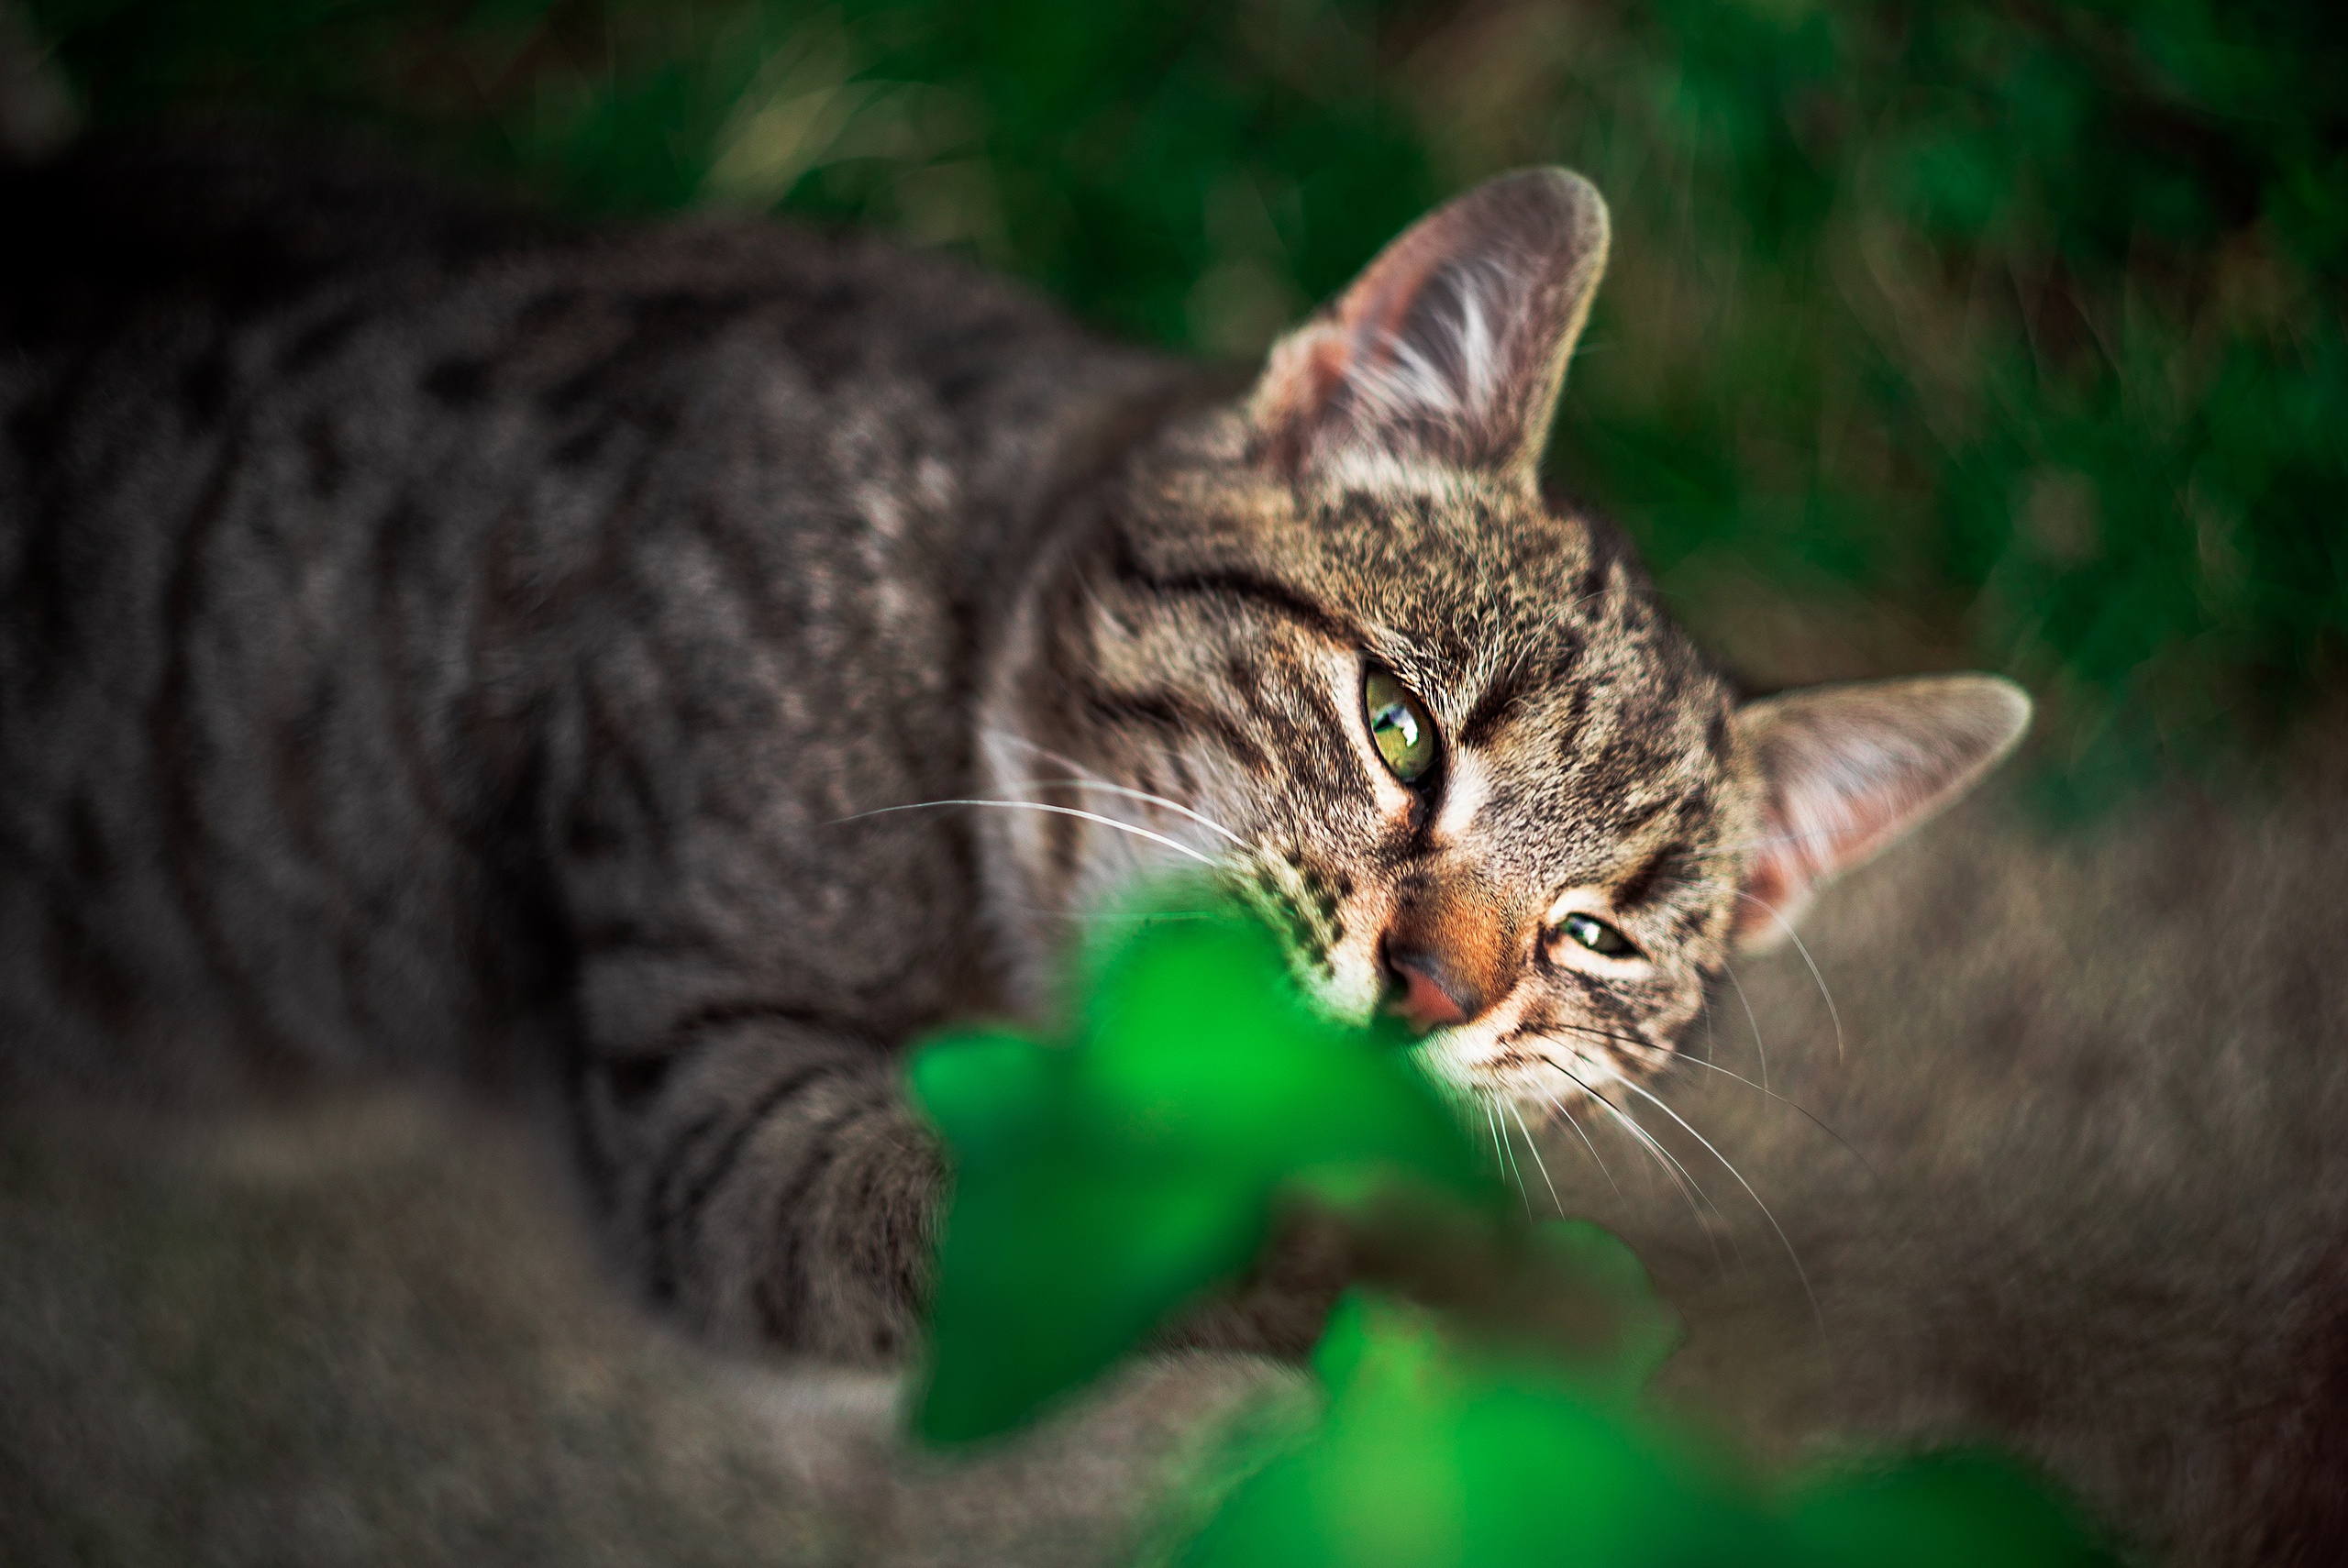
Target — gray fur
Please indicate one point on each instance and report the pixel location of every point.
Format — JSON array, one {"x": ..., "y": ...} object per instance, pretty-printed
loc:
[
  {"x": 438, "y": 640},
  {"x": 436, "y": 643}
]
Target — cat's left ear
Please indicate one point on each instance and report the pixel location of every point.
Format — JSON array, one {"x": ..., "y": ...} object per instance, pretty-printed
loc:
[
  {"x": 1848, "y": 769},
  {"x": 1452, "y": 343}
]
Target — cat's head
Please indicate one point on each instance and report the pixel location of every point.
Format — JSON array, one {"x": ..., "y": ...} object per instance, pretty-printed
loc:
[{"x": 1430, "y": 719}]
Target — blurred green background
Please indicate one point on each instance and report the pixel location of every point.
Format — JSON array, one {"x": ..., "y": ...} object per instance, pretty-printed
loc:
[{"x": 2003, "y": 334}]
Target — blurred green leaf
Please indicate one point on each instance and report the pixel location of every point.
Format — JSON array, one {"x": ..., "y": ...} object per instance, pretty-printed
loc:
[
  {"x": 1435, "y": 1451},
  {"x": 1104, "y": 1183},
  {"x": 1101, "y": 1184},
  {"x": 1944, "y": 1510}
]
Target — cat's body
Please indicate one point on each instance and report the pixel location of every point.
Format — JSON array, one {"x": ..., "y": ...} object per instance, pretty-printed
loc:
[
  {"x": 436, "y": 643},
  {"x": 687, "y": 663}
]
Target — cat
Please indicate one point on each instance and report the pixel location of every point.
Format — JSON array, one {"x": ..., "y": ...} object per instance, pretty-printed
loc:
[{"x": 692, "y": 660}]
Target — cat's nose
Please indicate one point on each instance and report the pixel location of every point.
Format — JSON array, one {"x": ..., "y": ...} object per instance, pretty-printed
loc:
[
  {"x": 1445, "y": 950},
  {"x": 1431, "y": 993}
]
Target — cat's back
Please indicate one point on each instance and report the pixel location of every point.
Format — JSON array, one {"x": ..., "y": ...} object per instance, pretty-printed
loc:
[{"x": 340, "y": 517}]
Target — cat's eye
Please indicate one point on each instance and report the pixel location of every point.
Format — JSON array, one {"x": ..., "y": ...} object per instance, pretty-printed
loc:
[
  {"x": 1400, "y": 724},
  {"x": 1598, "y": 936}
]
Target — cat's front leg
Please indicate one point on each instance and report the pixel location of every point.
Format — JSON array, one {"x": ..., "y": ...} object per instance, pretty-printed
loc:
[
  {"x": 763, "y": 1177},
  {"x": 746, "y": 954}
]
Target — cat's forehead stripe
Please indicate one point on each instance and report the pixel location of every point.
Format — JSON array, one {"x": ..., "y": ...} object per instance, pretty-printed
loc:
[{"x": 1263, "y": 592}]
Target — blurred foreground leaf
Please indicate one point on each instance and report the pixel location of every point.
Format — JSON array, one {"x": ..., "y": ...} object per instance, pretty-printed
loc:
[
  {"x": 1440, "y": 1453},
  {"x": 1101, "y": 1184}
]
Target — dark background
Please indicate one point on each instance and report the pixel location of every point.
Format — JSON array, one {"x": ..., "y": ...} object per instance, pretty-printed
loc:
[{"x": 2007, "y": 334}]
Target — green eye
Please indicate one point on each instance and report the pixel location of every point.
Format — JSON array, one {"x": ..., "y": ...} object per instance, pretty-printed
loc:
[
  {"x": 1400, "y": 724},
  {"x": 1598, "y": 936}
]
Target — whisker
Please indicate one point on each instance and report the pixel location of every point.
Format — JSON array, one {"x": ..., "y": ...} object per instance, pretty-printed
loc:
[
  {"x": 1093, "y": 781},
  {"x": 1508, "y": 1149},
  {"x": 1803, "y": 949},
  {"x": 1790, "y": 1104},
  {"x": 1783, "y": 1240},
  {"x": 1539, "y": 1163},
  {"x": 1102, "y": 787},
  {"x": 1615, "y": 1035},
  {"x": 1760, "y": 1047},
  {"x": 1492, "y": 1124},
  {"x": 1689, "y": 1189},
  {"x": 1175, "y": 845},
  {"x": 1683, "y": 1058},
  {"x": 1559, "y": 1107}
]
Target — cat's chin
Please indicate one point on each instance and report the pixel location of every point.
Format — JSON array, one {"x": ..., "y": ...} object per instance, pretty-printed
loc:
[{"x": 1489, "y": 1062}]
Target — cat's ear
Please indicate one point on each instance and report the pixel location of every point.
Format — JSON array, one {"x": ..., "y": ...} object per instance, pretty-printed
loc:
[
  {"x": 1453, "y": 342},
  {"x": 1849, "y": 769}
]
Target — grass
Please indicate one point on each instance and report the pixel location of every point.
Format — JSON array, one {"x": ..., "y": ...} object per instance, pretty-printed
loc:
[{"x": 2007, "y": 334}]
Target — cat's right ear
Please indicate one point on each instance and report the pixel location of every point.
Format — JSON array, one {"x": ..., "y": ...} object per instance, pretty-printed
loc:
[
  {"x": 1846, "y": 770},
  {"x": 1452, "y": 343}
]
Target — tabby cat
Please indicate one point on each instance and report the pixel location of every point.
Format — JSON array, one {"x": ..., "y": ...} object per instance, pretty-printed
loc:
[{"x": 696, "y": 660}]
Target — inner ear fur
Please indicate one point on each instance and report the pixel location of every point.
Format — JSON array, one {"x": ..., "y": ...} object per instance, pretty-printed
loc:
[
  {"x": 1452, "y": 344},
  {"x": 1846, "y": 770}
]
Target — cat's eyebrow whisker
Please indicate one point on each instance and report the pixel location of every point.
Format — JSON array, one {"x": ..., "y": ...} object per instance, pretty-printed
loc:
[
  {"x": 1175, "y": 845},
  {"x": 1089, "y": 779},
  {"x": 1783, "y": 1240},
  {"x": 1790, "y": 1104},
  {"x": 1803, "y": 949},
  {"x": 1533, "y": 1148}
]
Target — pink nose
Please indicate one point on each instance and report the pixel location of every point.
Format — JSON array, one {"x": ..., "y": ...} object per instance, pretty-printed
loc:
[
  {"x": 1426, "y": 999},
  {"x": 1450, "y": 950}
]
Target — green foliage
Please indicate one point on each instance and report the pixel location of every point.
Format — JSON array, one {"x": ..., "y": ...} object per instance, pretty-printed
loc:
[
  {"x": 1435, "y": 1452},
  {"x": 1103, "y": 1184},
  {"x": 1938, "y": 333}
]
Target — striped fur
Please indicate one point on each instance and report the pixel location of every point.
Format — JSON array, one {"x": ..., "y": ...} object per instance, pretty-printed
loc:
[{"x": 436, "y": 640}]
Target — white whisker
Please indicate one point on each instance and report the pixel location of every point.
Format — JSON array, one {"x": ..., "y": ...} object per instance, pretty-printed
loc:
[
  {"x": 1559, "y": 1107},
  {"x": 1089, "y": 779},
  {"x": 1791, "y": 1256},
  {"x": 1803, "y": 949},
  {"x": 1492, "y": 1123},
  {"x": 1175, "y": 845},
  {"x": 1689, "y": 1189},
  {"x": 1508, "y": 1151},
  {"x": 1789, "y": 1104},
  {"x": 1760, "y": 1048},
  {"x": 1543, "y": 1166},
  {"x": 1102, "y": 787}
]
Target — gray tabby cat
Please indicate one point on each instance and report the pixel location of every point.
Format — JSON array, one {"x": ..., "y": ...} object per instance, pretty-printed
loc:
[{"x": 438, "y": 640}]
